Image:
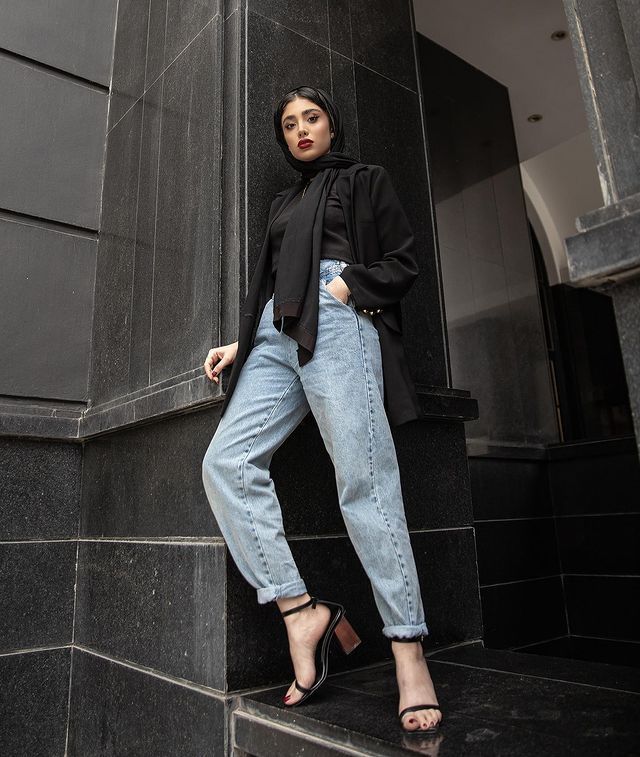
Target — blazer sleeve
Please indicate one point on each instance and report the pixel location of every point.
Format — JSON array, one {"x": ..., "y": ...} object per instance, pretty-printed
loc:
[{"x": 386, "y": 280}]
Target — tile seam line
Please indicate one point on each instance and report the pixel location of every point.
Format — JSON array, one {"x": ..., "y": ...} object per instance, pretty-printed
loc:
[
  {"x": 534, "y": 675},
  {"x": 306, "y": 736},
  {"x": 214, "y": 540},
  {"x": 329, "y": 50},
  {"x": 51, "y": 70},
  {"x": 30, "y": 650},
  {"x": 148, "y": 86},
  {"x": 552, "y": 515},
  {"x": 48, "y": 224},
  {"x": 200, "y": 688},
  {"x": 412, "y": 531}
]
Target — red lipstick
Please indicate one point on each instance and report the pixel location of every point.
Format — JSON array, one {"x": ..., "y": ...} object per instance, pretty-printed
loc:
[{"x": 305, "y": 143}]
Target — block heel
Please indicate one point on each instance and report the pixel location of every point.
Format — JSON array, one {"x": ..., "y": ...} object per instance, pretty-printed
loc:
[
  {"x": 339, "y": 627},
  {"x": 346, "y": 636}
]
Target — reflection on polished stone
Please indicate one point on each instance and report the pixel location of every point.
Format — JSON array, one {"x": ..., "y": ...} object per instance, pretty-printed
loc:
[{"x": 493, "y": 703}]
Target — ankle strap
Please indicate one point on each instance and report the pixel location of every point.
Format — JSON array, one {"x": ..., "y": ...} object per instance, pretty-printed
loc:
[
  {"x": 413, "y": 638},
  {"x": 312, "y": 602}
]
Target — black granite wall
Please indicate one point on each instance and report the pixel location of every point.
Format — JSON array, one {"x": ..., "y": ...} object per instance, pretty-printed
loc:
[
  {"x": 595, "y": 485},
  {"x": 40, "y": 484},
  {"x": 55, "y": 70},
  {"x": 496, "y": 340},
  {"x": 54, "y": 83},
  {"x": 555, "y": 524},
  {"x": 518, "y": 562},
  {"x": 493, "y": 316}
]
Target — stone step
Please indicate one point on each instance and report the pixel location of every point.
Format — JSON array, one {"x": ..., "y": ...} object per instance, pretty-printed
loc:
[{"x": 494, "y": 702}]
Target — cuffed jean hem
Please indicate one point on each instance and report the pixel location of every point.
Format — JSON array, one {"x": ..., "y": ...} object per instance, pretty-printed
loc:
[
  {"x": 405, "y": 632},
  {"x": 271, "y": 593}
]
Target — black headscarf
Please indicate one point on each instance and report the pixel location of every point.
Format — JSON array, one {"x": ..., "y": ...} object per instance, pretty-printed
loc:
[{"x": 298, "y": 276}]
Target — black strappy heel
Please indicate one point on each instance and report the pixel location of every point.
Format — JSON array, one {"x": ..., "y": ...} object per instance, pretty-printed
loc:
[
  {"x": 339, "y": 627},
  {"x": 416, "y": 707}
]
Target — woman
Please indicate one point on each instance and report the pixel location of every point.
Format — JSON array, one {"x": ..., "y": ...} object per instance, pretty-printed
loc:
[{"x": 321, "y": 331}]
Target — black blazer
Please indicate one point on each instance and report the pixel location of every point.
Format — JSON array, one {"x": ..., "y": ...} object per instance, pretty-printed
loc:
[{"x": 386, "y": 267}]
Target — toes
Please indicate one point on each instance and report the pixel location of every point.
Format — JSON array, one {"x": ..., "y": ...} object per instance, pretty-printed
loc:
[
  {"x": 412, "y": 724},
  {"x": 292, "y": 694}
]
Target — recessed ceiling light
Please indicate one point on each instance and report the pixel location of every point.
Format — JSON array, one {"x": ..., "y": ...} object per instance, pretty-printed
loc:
[
  {"x": 534, "y": 117},
  {"x": 558, "y": 35}
]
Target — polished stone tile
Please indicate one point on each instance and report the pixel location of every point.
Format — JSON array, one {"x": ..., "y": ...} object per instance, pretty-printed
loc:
[
  {"x": 523, "y": 612},
  {"x": 433, "y": 476},
  {"x": 460, "y": 301},
  {"x": 129, "y": 57},
  {"x": 37, "y": 594},
  {"x": 485, "y": 712},
  {"x": 603, "y": 606},
  {"x": 33, "y": 701},
  {"x": 492, "y": 377},
  {"x": 53, "y": 136},
  {"x": 344, "y": 95},
  {"x": 159, "y": 605},
  {"x": 114, "y": 272},
  {"x": 383, "y": 141},
  {"x": 514, "y": 234},
  {"x": 514, "y": 550},
  {"x": 116, "y": 709},
  {"x": 481, "y": 220},
  {"x": 254, "y": 736},
  {"x": 610, "y": 651},
  {"x": 145, "y": 240},
  {"x": 340, "y": 27},
  {"x": 503, "y": 488},
  {"x": 310, "y": 21},
  {"x": 590, "y": 486},
  {"x": 186, "y": 19},
  {"x": 186, "y": 253},
  {"x": 257, "y": 650},
  {"x": 618, "y": 677},
  {"x": 75, "y": 36},
  {"x": 156, "y": 40},
  {"x": 40, "y": 484},
  {"x": 600, "y": 544},
  {"x": 539, "y": 412},
  {"x": 382, "y": 37},
  {"x": 121, "y": 498},
  {"x": 233, "y": 221},
  {"x": 560, "y": 647},
  {"x": 47, "y": 293},
  {"x": 496, "y": 334}
]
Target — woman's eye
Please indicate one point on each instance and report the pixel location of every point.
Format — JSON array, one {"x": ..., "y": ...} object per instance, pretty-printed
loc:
[{"x": 313, "y": 118}]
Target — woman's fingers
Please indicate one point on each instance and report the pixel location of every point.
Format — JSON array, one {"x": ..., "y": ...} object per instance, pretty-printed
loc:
[
  {"x": 335, "y": 294},
  {"x": 219, "y": 357},
  {"x": 212, "y": 357}
]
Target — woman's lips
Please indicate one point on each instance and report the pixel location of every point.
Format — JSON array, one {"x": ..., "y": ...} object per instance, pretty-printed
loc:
[{"x": 303, "y": 143}]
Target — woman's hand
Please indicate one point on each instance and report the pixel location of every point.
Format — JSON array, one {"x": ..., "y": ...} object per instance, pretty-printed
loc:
[
  {"x": 340, "y": 289},
  {"x": 220, "y": 357}
]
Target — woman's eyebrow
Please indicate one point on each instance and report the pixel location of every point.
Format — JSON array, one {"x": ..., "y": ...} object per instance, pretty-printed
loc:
[{"x": 304, "y": 113}]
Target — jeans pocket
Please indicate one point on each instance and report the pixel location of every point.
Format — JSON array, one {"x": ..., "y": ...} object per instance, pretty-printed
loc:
[{"x": 347, "y": 304}]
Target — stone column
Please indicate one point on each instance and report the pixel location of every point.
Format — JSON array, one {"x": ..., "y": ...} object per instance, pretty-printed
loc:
[{"x": 605, "y": 253}]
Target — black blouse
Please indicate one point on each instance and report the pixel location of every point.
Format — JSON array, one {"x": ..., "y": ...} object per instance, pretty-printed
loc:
[{"x": 335, "y": 243}]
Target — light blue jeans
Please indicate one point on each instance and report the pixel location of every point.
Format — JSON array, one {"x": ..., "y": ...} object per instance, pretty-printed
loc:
[{"x": 342, "y": 386}]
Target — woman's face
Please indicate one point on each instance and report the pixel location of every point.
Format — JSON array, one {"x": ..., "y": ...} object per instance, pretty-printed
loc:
[{"x": 306, "y": 129}]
